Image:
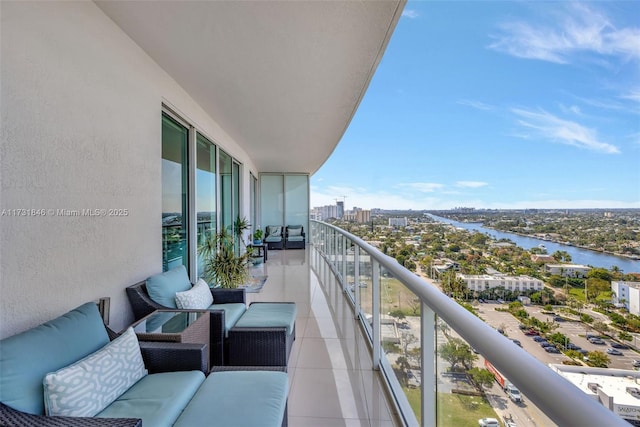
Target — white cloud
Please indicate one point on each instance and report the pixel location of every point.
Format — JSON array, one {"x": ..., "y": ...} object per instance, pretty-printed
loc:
[
  {"x": 571, "y": 109},
  {"x": 553, "y": 128},
  {"x": 419, "y": 201},
  {"x": 471, "y": 184},
  {"x": 633, "y": 94},
  {"x": 425, "y": 187},
  {"x": 476, "y": 104},
  {"x": 582, "y": 30},
  {"x": 410, "y": 13}
]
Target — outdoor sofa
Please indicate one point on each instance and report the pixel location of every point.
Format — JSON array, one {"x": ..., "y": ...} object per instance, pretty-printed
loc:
[
  {"x": 264, "y": 339},
  {"x": 68, "y": 372}
]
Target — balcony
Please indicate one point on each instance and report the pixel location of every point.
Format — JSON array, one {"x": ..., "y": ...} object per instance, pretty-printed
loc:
[{"x": 342, "y": 364}]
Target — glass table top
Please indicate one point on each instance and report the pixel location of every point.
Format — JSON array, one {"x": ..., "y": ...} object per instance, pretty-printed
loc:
[{"x": 167, "y": 322}]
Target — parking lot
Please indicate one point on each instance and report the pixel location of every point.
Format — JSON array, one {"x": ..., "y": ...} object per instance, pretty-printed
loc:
[{"x": 575, "y": 332}]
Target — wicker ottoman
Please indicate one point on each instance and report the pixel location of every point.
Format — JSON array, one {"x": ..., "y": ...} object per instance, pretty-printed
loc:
[{"x": 263, "y": 336}]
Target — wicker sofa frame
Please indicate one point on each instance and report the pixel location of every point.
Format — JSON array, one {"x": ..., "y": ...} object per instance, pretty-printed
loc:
[{"x": 142, "y": 305}]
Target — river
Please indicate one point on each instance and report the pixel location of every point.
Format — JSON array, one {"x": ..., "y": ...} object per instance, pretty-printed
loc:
[{"x": 578, "y": 255}]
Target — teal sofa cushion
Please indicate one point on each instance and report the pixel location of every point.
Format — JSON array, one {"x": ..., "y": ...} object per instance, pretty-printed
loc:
[
  {"x": 27, "y": 357},
  {"x": 162, "y": 287},
  {"x": 264, "y": 314},
  {"x": 232, "y": 312},
  {"x": 157, "y": 399},
  {"x": 239, "y": 398}
]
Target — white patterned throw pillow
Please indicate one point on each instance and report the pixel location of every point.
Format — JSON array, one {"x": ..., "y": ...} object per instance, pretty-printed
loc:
[
  {"x": 86, "y": 387},
  {"x": 197, "y": 298}
]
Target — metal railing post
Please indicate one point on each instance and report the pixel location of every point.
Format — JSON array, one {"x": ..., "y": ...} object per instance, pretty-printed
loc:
[
  {"x": 429, "y": 382},
  {"x": 376, "y": 326},
  {"x": 356, "y": 278}
]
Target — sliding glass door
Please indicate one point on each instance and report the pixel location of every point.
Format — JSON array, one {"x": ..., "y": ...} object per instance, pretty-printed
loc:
[{"x": 175, "y": 194}]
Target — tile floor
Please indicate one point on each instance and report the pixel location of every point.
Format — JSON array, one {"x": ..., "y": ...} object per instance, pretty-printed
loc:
[{"x": 332, "y": 383}]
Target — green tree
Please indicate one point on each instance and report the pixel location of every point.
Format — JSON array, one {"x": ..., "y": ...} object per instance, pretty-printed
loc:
[
  {"x": 625, "y": 336},
  {"x": 481, "y": 378},
  {"x": 600, "y": 327},
  {"x": 598, "y": 359},
  {"x": 457, "y": 352}
]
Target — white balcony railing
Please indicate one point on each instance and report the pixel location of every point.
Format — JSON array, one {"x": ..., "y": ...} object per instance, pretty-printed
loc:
[{"x": 377, "y": 285}]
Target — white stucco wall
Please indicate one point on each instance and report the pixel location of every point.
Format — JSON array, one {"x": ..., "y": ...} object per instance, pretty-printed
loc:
[{"x": 81, "y": 129}]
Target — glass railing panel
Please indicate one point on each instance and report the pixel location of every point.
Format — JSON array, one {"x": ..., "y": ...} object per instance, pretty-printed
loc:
[
  {"x": 401, "y": 337},
  {"x": 350, "y": 269},
  {"x": 363, "y": 284}
]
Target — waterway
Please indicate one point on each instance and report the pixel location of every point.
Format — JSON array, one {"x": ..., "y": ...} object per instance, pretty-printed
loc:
[{"x": 578, "y": 255}]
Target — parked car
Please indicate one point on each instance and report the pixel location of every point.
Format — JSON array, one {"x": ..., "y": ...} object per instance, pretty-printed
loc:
[
  {"x": 488, "y": 422},
  {"x": 558, "y": 318},
  {"x": 538, "y": 338},
  {"x": 551, "y": 350},
  {"x": 531, "y": 332},
  {"x": 517, "y": 342},
  {"x": 636, "y": 363},
  {"x": 621, "y": 346},
  {"x": 614, "y": 352},
  {"x": 572, "y": 346},
  {"x": 596, "y": 340}
]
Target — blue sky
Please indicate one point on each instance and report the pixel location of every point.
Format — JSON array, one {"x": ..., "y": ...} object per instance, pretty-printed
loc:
[{"x": 497, "y": 104}]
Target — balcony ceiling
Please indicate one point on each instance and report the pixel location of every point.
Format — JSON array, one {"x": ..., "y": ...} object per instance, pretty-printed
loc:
[{"x": 282, "y": 78}]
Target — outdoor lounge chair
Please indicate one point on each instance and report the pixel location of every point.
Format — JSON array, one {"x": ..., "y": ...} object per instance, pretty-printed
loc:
[
  {"x": 294, "y": 237},
  {"x": 273, "y": 237}
]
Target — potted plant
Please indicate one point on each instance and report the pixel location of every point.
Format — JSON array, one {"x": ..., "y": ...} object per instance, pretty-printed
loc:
[
  {"x": 257, "y": 237},
  {"x": 224, "y": 266}
]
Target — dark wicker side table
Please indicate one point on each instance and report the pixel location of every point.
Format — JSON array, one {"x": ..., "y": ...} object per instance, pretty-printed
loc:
[{"x": 174, "y": 326}]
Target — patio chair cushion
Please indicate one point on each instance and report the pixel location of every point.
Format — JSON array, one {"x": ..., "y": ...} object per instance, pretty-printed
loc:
[
  {"x": 89, "y": 385},
  {"x": 197, "y": 298},
  {"x": 274, "y": 231},
  {"x": 294, "y": 231},
  {"x": 267, "y": 315},
  {"x": 27, "y": 357},
  {"x": 158, "y": 399},
  {"x": 232, "y": 312},
  {"x": 239, "y": 398},
  {"x": 162, "y": 288}
]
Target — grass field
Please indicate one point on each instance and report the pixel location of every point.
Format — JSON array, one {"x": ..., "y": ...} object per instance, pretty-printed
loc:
[{"x": 454, "y": 410}]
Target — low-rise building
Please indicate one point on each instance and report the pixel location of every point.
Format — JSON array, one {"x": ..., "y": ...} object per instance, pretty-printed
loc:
[
  {"x": 537, "y": 258},
  {"x": 627, "y": 294},
  {"x": 616, "y": 389},
  {"x": 567, "y": 270},
  {"x": 482, "y": 282}
]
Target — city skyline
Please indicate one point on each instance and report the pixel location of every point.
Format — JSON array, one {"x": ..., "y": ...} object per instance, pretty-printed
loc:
[{"x": 497, "y": 105}]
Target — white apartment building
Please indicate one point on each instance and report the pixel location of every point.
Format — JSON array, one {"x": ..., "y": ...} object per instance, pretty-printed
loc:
[
  {"x": 567, "y": 270},
  {"x": 482, "y": 282},
  {"x": 398, "y": 222},
  {"x": 628, "y": 294}
]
